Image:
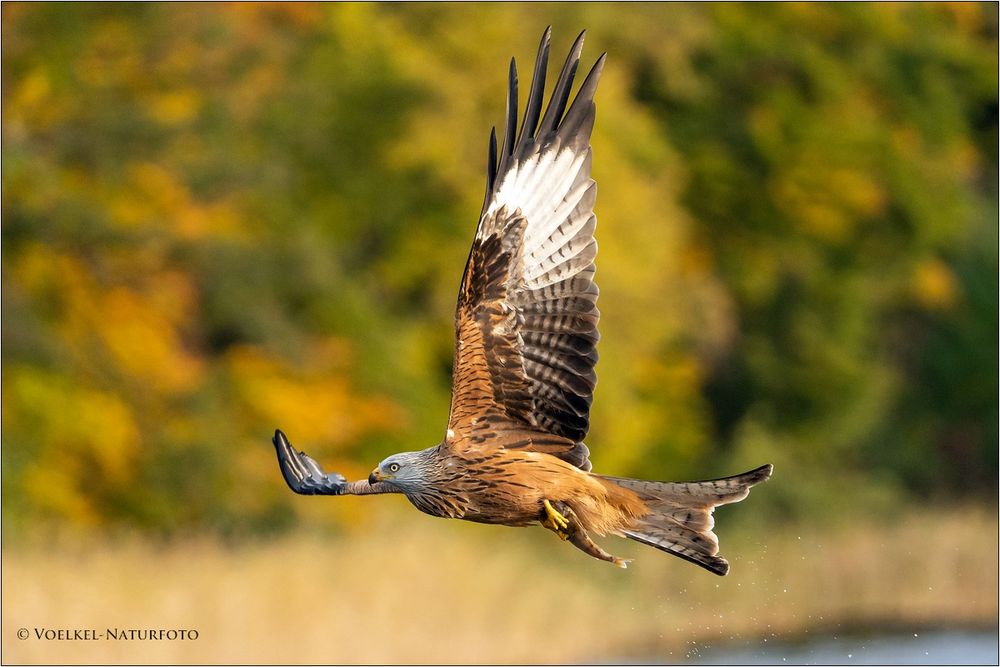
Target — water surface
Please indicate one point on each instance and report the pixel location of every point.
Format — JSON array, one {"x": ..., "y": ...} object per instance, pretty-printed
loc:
[{"x": 940, "y": 647}]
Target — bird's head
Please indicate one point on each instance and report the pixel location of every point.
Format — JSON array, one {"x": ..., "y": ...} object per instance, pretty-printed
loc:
[{"x": 406, "y": 471}]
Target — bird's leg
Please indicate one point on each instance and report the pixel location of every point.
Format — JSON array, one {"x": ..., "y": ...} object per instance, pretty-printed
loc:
[
  {"x": 581, "y": 540},
  {"x": 555, "y": 521},
  {"x": 576, "y": 534}
]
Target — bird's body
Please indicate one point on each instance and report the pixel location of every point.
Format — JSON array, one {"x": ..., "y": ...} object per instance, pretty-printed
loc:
[
  {"x": 525, "y": 351},
  {"x": 508, "y": 487}
]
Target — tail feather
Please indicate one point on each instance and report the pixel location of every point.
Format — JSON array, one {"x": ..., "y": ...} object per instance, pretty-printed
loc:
[
  {"x": 715, "y": 491},
  {"x": 673, "y": 542},
  {"x": 680, "y": 520}
]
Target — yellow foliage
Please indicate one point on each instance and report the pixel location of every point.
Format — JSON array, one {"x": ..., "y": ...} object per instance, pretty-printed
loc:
[
  {"x": 934, "y": 285},
  {"x": 970, "y": 16},
  {"x": 32, "y": 104},
  {"x": 858, "y": 191},
  {"x": 824, "y": 221},
  {"x": 33, "y": 90},
  {"x": 144, "y": 342},
  {"x": 139, "y": 329},
  {"x": 158, "y": 186},
  {"x": 111, "y": 56},
  {"x": 155, "y": 197},
  {"x": 828, "y": 201},
  {"x": 34, "y": 268},
  {"x": 175, "y": 107},
  {"x": 76, "y": 419},
  {"x": 318, "y": 401},
  {"x": 80, "y": 431},
  {"x": 55, "y": 490}
]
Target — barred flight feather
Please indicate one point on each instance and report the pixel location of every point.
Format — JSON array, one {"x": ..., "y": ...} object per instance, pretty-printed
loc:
[{"x": 528, "y": 284}]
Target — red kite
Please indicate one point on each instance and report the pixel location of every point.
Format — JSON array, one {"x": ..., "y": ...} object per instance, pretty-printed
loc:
[{"x": 526, "y": 330}]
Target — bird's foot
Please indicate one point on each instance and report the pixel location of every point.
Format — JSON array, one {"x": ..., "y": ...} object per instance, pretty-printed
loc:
[
  {"x": 620, "y": 562},
  {"x": 562, "y": 520},
  {"x": 581, "y": 540},
  {"x": 555, "y": 521}
]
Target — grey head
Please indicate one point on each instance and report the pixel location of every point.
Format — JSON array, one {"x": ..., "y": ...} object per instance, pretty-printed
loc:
[{"x": 410, "y": 472}]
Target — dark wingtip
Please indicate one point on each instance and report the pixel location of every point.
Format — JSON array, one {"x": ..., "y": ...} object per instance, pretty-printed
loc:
[
  {"x": 599, "y": 65},
  {"x": 560, "y": 94},
  {"x": 279, "y": 437},
  {"x": 491, "y": 170},
  {"x": 751, "y": 477},
  {"x": 510, "y": 118},
  {"x": 537, "y": 128},
  {"x": 536, "y": 93},
  {"x": 762, "y": 474}
]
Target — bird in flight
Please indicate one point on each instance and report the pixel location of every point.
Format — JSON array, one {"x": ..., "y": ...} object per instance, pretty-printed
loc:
[{"x": 523, "y": 380}]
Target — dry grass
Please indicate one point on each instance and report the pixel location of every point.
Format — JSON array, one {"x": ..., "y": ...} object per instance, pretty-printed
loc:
[{"x": 413, "y": 589}]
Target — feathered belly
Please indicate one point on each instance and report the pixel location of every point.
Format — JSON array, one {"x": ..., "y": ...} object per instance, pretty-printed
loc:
[{"x": 508, "y": 487}]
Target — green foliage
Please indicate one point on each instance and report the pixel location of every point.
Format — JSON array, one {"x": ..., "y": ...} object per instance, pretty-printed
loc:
[{"x": 223, "y": 219}]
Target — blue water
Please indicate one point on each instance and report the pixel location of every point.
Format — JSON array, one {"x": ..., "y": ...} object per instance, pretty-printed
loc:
[{"x": 941, "y": 647}]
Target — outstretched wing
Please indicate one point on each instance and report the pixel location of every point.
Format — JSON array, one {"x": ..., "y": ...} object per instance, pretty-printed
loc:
[
  {"x": 526, "y": 322},
  {"x": 303, "y": 475}
]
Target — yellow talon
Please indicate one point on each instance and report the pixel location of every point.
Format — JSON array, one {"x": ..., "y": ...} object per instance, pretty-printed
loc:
[{"x": 556, "y": 521}]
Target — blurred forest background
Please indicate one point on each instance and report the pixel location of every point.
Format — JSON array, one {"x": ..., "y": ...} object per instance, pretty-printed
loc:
[{"x": 223, "y": 219}]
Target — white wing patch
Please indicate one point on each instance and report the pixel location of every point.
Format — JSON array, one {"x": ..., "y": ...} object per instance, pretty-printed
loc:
[
  {"x": 555, "y": 193},
  {"x": 544, "y": 275}
]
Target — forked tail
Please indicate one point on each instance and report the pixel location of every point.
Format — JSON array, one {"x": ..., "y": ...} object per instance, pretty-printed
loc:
[{"x": 680, "y": 521}]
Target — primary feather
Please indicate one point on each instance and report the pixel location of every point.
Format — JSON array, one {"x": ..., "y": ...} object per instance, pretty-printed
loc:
[{"x": 526, "y": 321}]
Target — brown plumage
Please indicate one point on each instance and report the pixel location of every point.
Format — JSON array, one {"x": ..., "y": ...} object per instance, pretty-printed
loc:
[{"x": 526, "y": 336}]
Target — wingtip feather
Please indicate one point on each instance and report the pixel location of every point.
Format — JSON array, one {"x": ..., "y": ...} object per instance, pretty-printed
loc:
[
  {"x": 535, "y": 95},
  {"x": 560, "y": 94}
]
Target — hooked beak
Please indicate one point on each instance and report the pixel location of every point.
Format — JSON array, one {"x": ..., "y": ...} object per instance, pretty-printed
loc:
[{"x": 374, "y": 476}]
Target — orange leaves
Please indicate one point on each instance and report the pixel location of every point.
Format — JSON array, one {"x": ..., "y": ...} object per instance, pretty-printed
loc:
[
  {"x": 154, "y": 196},
  {"x": 316, "y": 399},
  {"x": 174, "y": 107},
  {"x": 138, "y": 329},
  {"x": 935, "y": 286},
  {"x": 144, "y": 342},
  {"x": 31, "y": 99},
  {"x": 152, "y": 191}
]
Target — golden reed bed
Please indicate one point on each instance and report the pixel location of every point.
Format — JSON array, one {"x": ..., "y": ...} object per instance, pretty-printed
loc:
[{"x": 435, "y": 592}]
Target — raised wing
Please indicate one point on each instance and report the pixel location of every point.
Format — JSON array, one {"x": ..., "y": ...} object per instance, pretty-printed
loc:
[{"x": 526, "y": 322}]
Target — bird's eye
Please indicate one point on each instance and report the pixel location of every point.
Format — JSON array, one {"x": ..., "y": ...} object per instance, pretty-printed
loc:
[{"x": 393, "y": 467}]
